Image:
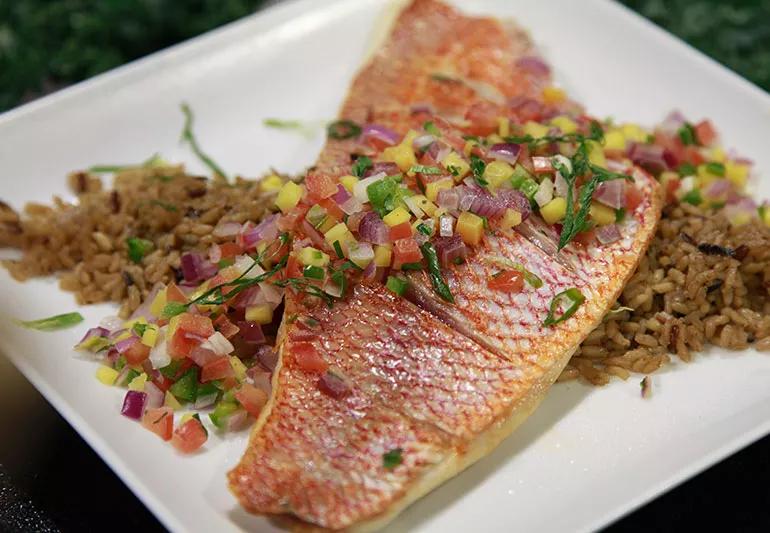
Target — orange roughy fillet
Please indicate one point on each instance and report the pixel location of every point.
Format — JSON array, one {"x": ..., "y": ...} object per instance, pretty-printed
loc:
[{"x": 443, "y": 384}]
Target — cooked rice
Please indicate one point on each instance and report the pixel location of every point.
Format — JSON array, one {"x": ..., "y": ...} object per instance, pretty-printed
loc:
[
  {"x": 683, "y": 297},
  {"x": 86, "y": 241}
]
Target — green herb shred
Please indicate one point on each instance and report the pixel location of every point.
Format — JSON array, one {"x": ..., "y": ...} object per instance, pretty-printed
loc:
[
  {"x": 392, "y": 458},
  {"x": 362, "y": 164},
  {"x": 431, "y": 128},
  {"x": 343, "y": 129},
  {"x": 138, "y": 248},
  {"x": 189, "y": 137},
  {"x": 434, "y": 270},
  {"x": 572, "y": 298},
  {"x": 52, "y": 323},
  {"x": 477, "y": 167}
]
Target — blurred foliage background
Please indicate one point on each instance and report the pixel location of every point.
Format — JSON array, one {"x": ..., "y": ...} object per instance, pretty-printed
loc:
[{"x": 48, "y": 44}]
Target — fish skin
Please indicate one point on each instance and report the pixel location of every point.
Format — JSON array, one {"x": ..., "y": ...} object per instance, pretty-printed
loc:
[{"x": 319, "y": 458}]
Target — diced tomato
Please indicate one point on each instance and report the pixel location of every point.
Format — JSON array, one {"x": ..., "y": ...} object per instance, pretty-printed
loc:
[
  {"x": 634, "y": 197},
  {"x": 161, "y": 381},
  {"x": 507, "y": 281},
  {"x": 693, "y": 156},
  {"x": 225, "y": 327},
  {"x": 189, "y": 436},
  {"x": 586, "y": 238},
  {"x": 137, "y": 353},
  {"x": 705, "y": 132},
  {"x": 160, "y": 421},
  {"x": 406, "y": 251},
  {"x": 293, "y": 268},
  {"x": 229, "y": 249},
  {"x": 320, "y": 185},
  {"x": 229, "y": 383},
  {"x": 175, "y": 294},
  {"x": 219, "y": 368},
  {"x": 180, "y": 345},
  {"x": 671, "y": 187},
  {"x": 483, "y": 118},
  {"x": 202, "y": 356},
  {"x": 332, "y": 209},
  {"x": 196, "y": 324},
  {"x": 523, "y": 109},
  {"x": 400, "y": 231},
  {"x": 293, "y": 218},
  {"x": 308, "y": 358},
  {"x": 251, "y": 398}
]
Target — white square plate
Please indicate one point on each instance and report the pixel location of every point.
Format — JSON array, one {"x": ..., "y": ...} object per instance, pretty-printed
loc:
[{"x": 587, "y": 455}]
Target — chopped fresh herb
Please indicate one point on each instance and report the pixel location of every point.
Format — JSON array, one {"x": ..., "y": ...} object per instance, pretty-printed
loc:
[
  {"x": 453, "y": 170},
  {"x": 693, "y": 197},
  {"x": 620, "y": 215},
  {"x": 305, "y": 129},
  {"x": 120, "y": 362},
  {"x": 171, "y": 309},
  {"x": 313, "y": 272},
  {"x": 386, "y": 194},
  {"x": 424, "y": 229},
  {"x": 397, "y": 285},
  {"x": 650, "y": 139},
  {"x": 646, "y": 387},
  {"x": 224, "y": 263},
  {"x": 338, "y": 278},
  {"x": 348, "y": 265},
  {"x": 153, "y": 160},
  {"x": 343, "y": 129},
  {"x": 718, "y": 169},
  {"x": 686, "y": 169},
  {"x": 391, "y": 459},
  {"x": 189, "y": 137},
  {"x": 620, "y": 309},
  {"x": 338, "y": 249},
  {"x": 52, "y": 323},
  {"x": 477, "y": 167},
  {"x": 687, "y": 134},
  {"x": 361, "y": 165},
  {"x": 434, "y": 269},
  {"x": 439, "y": 76},
  {"x": 139, "y": 329},
  {"x": 431, "y": 128},
  {"x": 596, "y": 133},
  {"x": 573, "y": 297},
  {"x": 305, "y": 286},
  {"x": 411, "y": 266},
  {"x": 423, "y": 169},
  {"x": 473, "y": 138},
  {"x": 165, "y": 205},
  {"x": 138, "y": 248}
]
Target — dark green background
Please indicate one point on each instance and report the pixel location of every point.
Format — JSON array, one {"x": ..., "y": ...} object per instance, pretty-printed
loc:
[{"x": 47, "y": 44}]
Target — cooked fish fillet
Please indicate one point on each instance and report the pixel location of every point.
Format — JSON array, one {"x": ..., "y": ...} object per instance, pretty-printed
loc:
[{"x": 444, "y": 384}]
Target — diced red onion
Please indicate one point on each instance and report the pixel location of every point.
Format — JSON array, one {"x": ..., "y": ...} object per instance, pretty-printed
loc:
[
  {"x": 608, "y": 234},
  {"x": 251, "y": 332},
  {"x": 215, "y": 253},
  {"x": 443, "y": 151},
  {"x": 423, "y": 141},
  {"x": 544, "y": 193},
  {"x": 450, "y": 249},
  {"x": 159, "y": 356},
  {"x": 381, "y": 133},
  {"x": 155, "y": 396},
  {"x": 534, "y": 65},
  {"x": 332, "y": 289},
  {"x": 246, "y": 298},
  {"x": 611, "y": 193},
  {"x": 446, "y": 225},
  {"x": 507, "y": 152},
  {"x": 649, "y": 156},
  {"x": 112, "y": 356},
  {"x": 237, "y": 420},
  {"x": 312, "y": 233},
  {"x": 260, "y": 378},
  {"x": 334, "y": 385},
  {"x": 202, "y": 356},
  {"x": 93, "y": 332},
  {"x": 372, "y": 229},
  {"x": 421, "y": 108},
  {"x": 361, "y": 253},
  {"x": 144, "y": 309},
  {"x": 204, "y": 401},
  {"x": 448, "y": 198},
  {"x": 351, "y": 206},
  {"x": 370, "y": 270},
  {"x": 267, "y": 230},
  {"x": 341, "y": 196},
  {"x": 271, "y": 293},
  {"x": 387, "y": 167},
  {"x": 718, "y": 188},
  {"x": 672, "y": 122},
  {"x": 111, "y": 323},
  {"x": 542, "y": 165},
  {"x": 480, "y": 201},
  {"x": 133, "y": 404},
  {"x": 123, "y": 345},
  {"x": 226, "y": 229},
  {"x": 195, "y": 268},
  {"x": 218, "y": 344},
  {"x": 560, "y": 185}
]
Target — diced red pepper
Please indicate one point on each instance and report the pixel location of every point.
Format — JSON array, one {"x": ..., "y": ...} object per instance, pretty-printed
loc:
[
  {"x": 251, "y": 398},
  {"x": 175, "y": 294},
  {"x": 705, "y": 132},
  {"x": 293, "y": 218},
  {"x": 161, "y": 381},
  {"x": 180, "y": 345},
  {"x": 189, "y": 436},
  {"x": 400, "y": 231},
  {"x": 160, "y": 421},
  {"x": 693, "y": 156},
  {"x": 137, "y": 353},
  {"x": 293, "y": 268},
  {"x": 229, "y": 249},
  {"x": 320, "y": 185},
  {"x": 586, "y": 238},
  {"x": 308, "y": 358},
  {"x": 634, "y": 197},
  {"x": 196, "y": 324},
  {"x": 225, "y": 327},
  {"x": 219, "y": 368},
  {"x": 332, "y": 209},
  {"x": 406, "y": 251},
  {"x": 507, "y": 281},
  {"x": 671, "y": 187}
]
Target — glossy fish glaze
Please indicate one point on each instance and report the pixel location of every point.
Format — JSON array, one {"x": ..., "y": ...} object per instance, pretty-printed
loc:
[{"x": 442, "y": 383}]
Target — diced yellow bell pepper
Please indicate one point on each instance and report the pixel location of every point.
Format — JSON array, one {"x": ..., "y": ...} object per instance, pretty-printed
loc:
[
  {"x": 510, "y": 219},
  {"x": 705, "y": 177},
  {"x": 432, "y": 189},
  {"x": 383, "y": 254},
  {"x": 717, "y": 154},
  {"x": 470, "y": 227},
  {"x": 138, "y": 382},
  {"x": 600, "y": 214},
  {"x": 494, "y": 138},
  {"x": 740, "y": 219},
  {"x": 596, "y": 154},
  {"x": 128, "y": 324},
  {"x": 614, "y": 140},
  {"x": 564, "y": 123},
  {"x": 737, "y": 173},
  {"x": 170, "y": 401},
  {"x": 158, "y": 303},
  {"x": 150, "y": 335},
  {"x": 503, "y": 126},
  {"x": 185, "y": 418},
  {"x": 553, "y": 95},
  {"x": 313, "y": 257},
  {"x": 238, "y": 367},
  {"x": 766, "y": 216},
  {"x": 338, "y": 232},
  {"x": 468, "y": 148},
  {"x": 327, "y": 224},
  {"x": 426, "y": 205},
  {"x": 261, "y": 314},
  {"x": 554, "y": 211},
  {"x": 453, "y": 161},
  {"x": 289, "y": 196},
  {"x": 535, "y": 130},
  {"x": 634, "y": 133},
  {"x": 349, "y": 182},
  {"x": 403, "y": 153},
  {"x": 398, "y": 216},
  {"x": 271, "y": 183},
  {"x": 497, "y": 172},
  {"x": 107, "y": 375}
]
